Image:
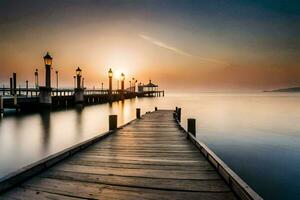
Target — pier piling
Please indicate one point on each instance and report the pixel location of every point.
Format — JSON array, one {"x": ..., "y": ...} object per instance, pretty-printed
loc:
[
  {"x": 179, "y": 114},
  {"x": 138, "y": 113},
  {"x": 11, "y": 86},
  {"x": 191, "y": 126},
  {"x": 14, "y": 83},
  {"x": 1, "y": 106},
  {"x": 113, "y": 122}
]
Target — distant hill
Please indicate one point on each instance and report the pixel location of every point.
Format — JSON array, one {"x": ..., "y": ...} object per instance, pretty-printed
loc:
[{"x": 293, "y": 89}]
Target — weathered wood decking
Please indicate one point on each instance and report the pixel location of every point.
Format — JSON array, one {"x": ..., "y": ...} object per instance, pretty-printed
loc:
[{"x": 148, "y": 159}]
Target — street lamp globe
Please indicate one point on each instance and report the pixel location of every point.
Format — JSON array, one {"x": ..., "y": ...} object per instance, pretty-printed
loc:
[
  {"x": 122, "y": 77},
  {"x": 110, "y": 73},
  {"x": 78, "y": 71},
  {"x": 48, "y": 59}
]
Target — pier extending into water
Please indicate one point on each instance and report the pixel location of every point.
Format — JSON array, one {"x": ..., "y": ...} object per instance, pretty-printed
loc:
[
  {"x": 151, "y": 157},
  {"x": 29, "y": 99},
  {"x": 46, "y": 96}
]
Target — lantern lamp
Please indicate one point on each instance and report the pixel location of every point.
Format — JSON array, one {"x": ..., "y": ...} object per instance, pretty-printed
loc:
[
  {"x": 78, "y": 71},
  {"x": 110, "y": 73},
  {"x": 48, "y": 59}
]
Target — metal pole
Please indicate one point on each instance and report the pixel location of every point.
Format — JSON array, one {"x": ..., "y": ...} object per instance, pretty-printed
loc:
[
  {"x": 110, "y": 86},
  {"x": 36, "y": 76},
  {"x": 11, "y": 86},
  {"x": 48, "y": 76},
  {"x": 74, "y": 81},
  {"x": 56, "y": 72},
  {"x": 1, "y": 106},
  {"x": 15, "y": 83},
  {"x": 26, "y": 88}
]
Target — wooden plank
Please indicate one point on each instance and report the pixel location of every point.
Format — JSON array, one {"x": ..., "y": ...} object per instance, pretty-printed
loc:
[
  {"x": 140, "y": 182},
  {"x": 150, "y": 173},
  {"x": 102, "y": 191},
  {"x": 141, "y": 161},
  {"x": 100, "y": 163},
  {"x": 28, "y": 194}
]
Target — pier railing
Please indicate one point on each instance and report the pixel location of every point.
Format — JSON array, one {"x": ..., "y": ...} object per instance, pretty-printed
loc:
[{"x": 240, "y": 187}]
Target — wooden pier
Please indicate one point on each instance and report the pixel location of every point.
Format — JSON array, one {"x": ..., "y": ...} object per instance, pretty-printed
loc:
[
  {"x": 28, "y": 99},
  {"x": 151, "y": 157}
]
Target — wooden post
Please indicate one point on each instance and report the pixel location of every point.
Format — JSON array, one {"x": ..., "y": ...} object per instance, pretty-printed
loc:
[
  {"x": 26, "y": 88},
  {"x": 1, "y": 106},
  {"x": 174, "y": 115},
  {"x": 113, "y": 122},
  {"x": 191, "y": 126},
  {"x": 179, "y": 114},
  {"x": 138, "y": 113},
  {"x": 11, "y": 86},
  {"x": 14, "y": 82},
  {"x": 15, "y": 100},
  {"x": 155, "y": 108}
]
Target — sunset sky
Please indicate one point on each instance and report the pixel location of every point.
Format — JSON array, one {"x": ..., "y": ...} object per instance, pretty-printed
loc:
[{"x": 186, "y": 45}]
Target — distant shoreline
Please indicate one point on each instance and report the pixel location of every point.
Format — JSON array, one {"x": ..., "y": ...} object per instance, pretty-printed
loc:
[{"x": 293, "y": 89}]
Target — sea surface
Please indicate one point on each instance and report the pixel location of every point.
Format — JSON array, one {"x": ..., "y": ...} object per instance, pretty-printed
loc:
[{"x": 256, "y": 134}]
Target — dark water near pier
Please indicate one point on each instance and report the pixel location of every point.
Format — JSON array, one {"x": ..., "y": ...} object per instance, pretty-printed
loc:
[{"x": 257, "y": 134}]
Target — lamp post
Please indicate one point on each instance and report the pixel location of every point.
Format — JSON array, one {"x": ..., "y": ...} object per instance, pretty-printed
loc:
[
  {"x": 122, "y": 85},
  {"x": 110, "y": 75},
  {"x": 101, "y": 86},
  {"x": 74, "y": 77},
  {"x": 78, "y": 76},
  {"x": 133, "y": 84},
  {"x": 56, "y": 72},
  {"x": 48, "y": 64},
  {"x": 132, "y": 89},
  {"x": 79, "y": 90},
  {"x": 26, "y": 88},
  {"x": 122, "y": 81},
  {"x": 36, "y": 78},
  {"x": 45, "y": 96},
  {"x": 129, "y": 86}
]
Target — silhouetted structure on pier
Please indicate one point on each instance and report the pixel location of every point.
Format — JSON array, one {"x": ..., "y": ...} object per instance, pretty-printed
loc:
[
  {"x": 149, "y": 89},
  {"x": 41, "y": 97}
]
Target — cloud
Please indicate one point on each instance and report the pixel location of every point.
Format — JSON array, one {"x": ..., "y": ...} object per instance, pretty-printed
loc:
[
  {"x": 178, "y": 51},
  {"x": 163, "y": 45}
]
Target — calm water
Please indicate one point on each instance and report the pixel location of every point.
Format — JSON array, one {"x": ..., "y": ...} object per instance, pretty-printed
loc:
[{"x": 257, "y": 135}]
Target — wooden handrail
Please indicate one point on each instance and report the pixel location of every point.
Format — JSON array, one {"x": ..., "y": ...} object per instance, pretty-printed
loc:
[{"x": 240, "y": 187}]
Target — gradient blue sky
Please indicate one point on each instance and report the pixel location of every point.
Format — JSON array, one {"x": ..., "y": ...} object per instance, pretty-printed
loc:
[{"x": 199, "y": 45}]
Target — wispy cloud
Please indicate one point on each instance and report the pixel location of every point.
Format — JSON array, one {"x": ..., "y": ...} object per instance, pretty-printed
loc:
[
  {"x": 176, "y": 50},
  {"x": 163, "y": 45}
]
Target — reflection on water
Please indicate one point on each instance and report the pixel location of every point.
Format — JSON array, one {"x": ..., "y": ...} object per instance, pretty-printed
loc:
[
  {"x": 257, "y": 135},
  {"x": 46, "y": 128}
]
